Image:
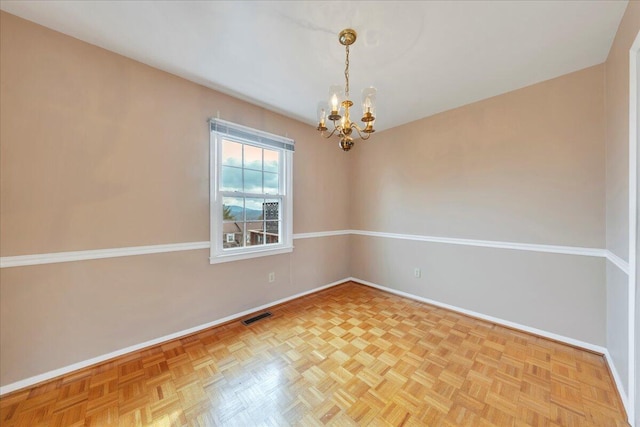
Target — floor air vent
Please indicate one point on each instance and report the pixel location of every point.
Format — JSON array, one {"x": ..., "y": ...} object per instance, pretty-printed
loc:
[{"x": 256, "y": 318}]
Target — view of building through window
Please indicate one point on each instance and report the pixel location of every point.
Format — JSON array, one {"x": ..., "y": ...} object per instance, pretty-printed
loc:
[
  {"x": 251, "y": 203},
  {"x": 257, "y": 228}
]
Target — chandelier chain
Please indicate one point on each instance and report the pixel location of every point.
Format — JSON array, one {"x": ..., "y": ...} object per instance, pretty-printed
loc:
[{"x": 346, "y": 73}]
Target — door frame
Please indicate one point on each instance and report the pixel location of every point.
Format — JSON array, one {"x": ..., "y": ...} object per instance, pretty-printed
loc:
[{"x": 633, "y": 221}]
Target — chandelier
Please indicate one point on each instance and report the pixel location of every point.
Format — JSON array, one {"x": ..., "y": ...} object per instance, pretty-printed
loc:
[{"x": 337, "y": 109}]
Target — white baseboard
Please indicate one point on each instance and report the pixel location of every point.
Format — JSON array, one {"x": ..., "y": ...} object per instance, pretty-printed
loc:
[
  {"x": 560, "y": 338},
  {"x": 618, "y": 381},
  {"x": 535, "y": 331},
  {"x": 28, "y": 382}
]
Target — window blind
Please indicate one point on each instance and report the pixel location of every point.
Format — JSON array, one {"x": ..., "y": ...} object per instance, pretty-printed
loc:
[{"x": 252, "y": 136}]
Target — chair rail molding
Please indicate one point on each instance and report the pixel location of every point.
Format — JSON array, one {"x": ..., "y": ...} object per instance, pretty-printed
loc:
[{"x": 55, "y": 257}]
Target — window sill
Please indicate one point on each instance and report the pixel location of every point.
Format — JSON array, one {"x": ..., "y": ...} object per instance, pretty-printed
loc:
[{"x": 248, "y": 255}]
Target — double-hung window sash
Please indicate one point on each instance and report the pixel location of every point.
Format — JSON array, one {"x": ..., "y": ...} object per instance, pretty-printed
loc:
[{"x": 251, "y": 207}]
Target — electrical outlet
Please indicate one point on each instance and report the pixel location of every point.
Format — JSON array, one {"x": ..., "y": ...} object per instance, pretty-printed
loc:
[
  {"x": 417, "y": 273},
  {"x": 272, "y": 277}
]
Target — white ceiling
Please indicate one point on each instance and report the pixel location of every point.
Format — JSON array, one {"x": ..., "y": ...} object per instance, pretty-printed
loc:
[{"x": 423, "y": 56}]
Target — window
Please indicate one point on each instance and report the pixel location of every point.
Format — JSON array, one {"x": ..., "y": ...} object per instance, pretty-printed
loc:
[{"x": 251, "y": 206}]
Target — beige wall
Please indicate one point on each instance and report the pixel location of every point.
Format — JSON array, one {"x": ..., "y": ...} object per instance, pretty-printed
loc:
[
  {"x": 99, "y": 151},
  {"x": 617, "y": 132},
  {"x": 527, "y": 166},
  {"x": 54, "y": 315},
  {"x": 562, "y": 294},
  {"x": 617, "y": 321}
]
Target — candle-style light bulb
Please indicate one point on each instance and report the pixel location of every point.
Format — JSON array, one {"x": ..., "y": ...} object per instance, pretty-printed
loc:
[
  {"x": 323, "y": 109},
  {"x": 335, "y": 100},
  {"x": 368, "y": 104}
]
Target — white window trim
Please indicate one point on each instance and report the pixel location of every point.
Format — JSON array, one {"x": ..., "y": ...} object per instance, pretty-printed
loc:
[{"x": 217, "y": 253}]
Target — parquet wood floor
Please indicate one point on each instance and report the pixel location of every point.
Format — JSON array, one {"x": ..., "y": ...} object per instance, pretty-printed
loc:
[{"x": 350, "y": 355}]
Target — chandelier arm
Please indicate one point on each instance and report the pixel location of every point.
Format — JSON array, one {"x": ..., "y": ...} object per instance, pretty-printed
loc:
[
  {"x": 331, "y": 134},
  {"x": 357, "y": 128}
]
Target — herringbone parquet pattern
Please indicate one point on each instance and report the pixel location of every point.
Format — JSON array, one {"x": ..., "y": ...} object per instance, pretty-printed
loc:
[{"x": 347, "y": 356}]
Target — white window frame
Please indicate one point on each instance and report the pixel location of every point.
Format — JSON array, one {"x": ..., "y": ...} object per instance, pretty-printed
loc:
[{"x": 222, "y": 130}]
